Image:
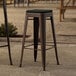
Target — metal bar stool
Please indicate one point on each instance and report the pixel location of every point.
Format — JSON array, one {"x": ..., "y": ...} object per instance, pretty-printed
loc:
[
  {"x": 18, "y": 2},
  {"x": 6, "y": 30},
  {"x": 39, "y": 22}
]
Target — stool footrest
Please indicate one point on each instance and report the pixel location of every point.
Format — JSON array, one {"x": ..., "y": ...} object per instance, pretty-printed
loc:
[{"x": 3, "y": 45}]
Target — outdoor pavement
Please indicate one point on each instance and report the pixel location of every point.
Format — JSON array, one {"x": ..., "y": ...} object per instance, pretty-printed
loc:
[{"x": 66, "y": 43}]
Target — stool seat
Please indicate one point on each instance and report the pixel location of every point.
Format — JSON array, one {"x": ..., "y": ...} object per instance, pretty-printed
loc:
[
  {"x": 38, "y": 11},
  {"x": 39, "y": 16}
]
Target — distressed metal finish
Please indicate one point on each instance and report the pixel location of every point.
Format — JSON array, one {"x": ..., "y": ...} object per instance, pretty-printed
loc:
[
  {"x": 7, "y": 31},
  {"x": 39, "y": 23}
]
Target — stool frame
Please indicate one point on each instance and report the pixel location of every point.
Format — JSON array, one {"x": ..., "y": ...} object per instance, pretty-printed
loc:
[{"x": 39, "y": 22}]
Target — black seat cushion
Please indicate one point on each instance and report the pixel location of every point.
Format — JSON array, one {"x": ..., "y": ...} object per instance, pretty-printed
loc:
[{"x": 38, "y": 11}]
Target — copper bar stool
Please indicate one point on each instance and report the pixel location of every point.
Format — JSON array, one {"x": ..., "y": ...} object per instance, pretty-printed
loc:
[
  {"x": 6, "y": 30},
  {"x": 39, "y": 23},
  {"x": 18, "y": 2}
]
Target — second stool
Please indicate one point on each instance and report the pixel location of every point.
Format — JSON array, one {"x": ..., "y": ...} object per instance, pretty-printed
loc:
[{"x": 39, "y": 16}]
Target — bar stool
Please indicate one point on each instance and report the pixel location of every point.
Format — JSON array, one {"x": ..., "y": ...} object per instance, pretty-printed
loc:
[
  {"x": 18, "y": 2},
  {"x": 39, "y": 16},
  {"x": 6, "y": 30}
]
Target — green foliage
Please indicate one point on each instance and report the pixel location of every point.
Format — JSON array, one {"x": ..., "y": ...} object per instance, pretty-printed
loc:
[{"x": 11, "y": 28}]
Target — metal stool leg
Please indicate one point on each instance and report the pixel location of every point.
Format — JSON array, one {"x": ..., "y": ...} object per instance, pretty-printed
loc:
[
  {"x": 14, "y": 3},
  {"x": 54, "y": 38},
  {"x": 8, "y": 45},
  {"x": 23, "y": 42},
  {"x": 6, "y": 26},
  {"x": 43, "y": 39},
  {"x": 36, "y": 31},
  {"x": 18, "y": 3}
]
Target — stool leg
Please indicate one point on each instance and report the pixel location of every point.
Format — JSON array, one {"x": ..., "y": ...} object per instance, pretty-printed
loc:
[
  {"x": 8, "y": 41},
  {"x": 43, "y": 39},
  {"x": 61, "y": 12},
  {"x": 23, "y": 41},
  {"x": 36, "y": 31},
  {"x": 23, "y": 2},
  {"x": 54, "y": 38},
  {"x": 18, "y": 3},
  {"x": 14, "y": 3},
  {"x": 6, "y": 26},
  {"x": 28, "y": 2}
]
